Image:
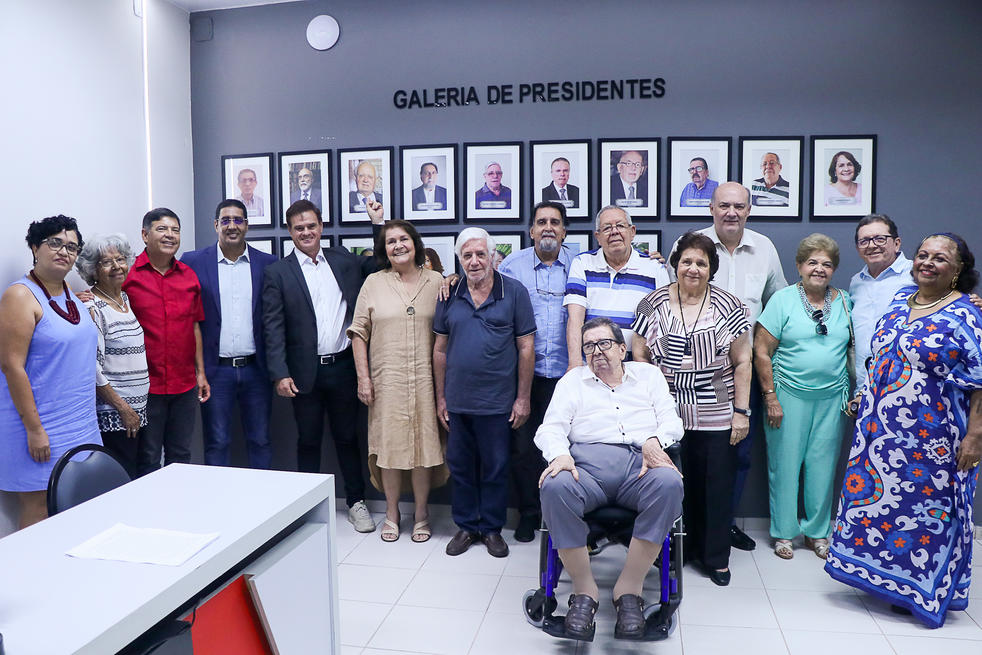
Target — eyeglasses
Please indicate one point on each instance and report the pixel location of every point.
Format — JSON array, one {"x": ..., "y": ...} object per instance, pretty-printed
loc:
[
  {"x": 620, "y": 227},
  {"x": 636, "y": 165},
  {"x": 879, "y": 239},
  {"x": 228, "y": 220},
  {"x": 821, "y": 328},
  {"x": 57, "y": 244},
  {"x": 696, "y": 168},
  {"x": 545, "y": 292},
  {"x": 107, "y": 264},
  {"x": 603, "y": 344}
]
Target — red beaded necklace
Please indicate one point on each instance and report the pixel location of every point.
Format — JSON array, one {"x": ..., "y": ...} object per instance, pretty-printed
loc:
[{"x": 72, "y": 315}]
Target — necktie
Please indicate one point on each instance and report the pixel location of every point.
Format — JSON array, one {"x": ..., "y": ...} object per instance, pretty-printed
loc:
[
  {"x": 306, "y": 195},
  {"x": 562, "y": 194},
  {"x": 630, "y": 192}
]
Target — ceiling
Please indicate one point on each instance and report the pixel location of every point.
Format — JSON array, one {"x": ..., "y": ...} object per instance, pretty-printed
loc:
[{"x": 207, "y": 5}]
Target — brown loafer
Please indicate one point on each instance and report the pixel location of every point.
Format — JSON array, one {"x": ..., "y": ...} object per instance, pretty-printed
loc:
[
  {"x": 460, "y": 542},
  {"x": 496, "y": 545},
  {"x": 630, "y": 617},
  {"x": 579, "y": 621}
]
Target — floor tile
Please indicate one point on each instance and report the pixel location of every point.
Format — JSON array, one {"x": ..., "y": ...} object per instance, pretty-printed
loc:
[
  {"x": 468, "y": 591},
  {"x": 475, "y": 560},
  {"x": 428, "y": 630},
  {"x": 975, "y": 590},
  {"x": 508, "y": 594},
  {"x": 714, "y": 640},
  {"x": 804, "y": 642},
  {"x": 523, "y": 559},
  {"x": 975, "y": 611},
  {"x": 372, "y": 584},
  {"x": 805, "y": 571},
  {"x": 838, "y": 612},
  {"x": 742, "y": 567},
  {"x": 903, "y": 645},
  {"x": 347, "y": 538},
  {"x": 958, "y": 625},
  {"x": 359, "y": 621},
  {"x": 403, "y": 554},
  {"x": 502, "y": 634},
  {"x": 351, "y": 650},
  {"x": 727, "y": 606},
  {"x": 605, "y": 644},
  {"x": 378, "y": 651}
]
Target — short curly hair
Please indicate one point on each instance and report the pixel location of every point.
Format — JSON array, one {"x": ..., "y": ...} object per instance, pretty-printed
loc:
[
  {"x": 88, "y": 258},
  {"x": 40, "y": 230},
  {"x": 696, "y": 241},
  {"x": 817, "y": 242}
]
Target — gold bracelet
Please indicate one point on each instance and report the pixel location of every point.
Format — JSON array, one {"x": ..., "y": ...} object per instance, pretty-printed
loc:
[{"x": 768, "y": 391}]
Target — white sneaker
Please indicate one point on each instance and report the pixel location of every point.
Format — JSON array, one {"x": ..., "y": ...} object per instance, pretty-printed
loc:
[{"x": 360, "y": 517}]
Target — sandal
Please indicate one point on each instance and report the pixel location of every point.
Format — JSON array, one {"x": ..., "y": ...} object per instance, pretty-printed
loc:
[
  {"x": 390, "y": 531},
  {"x": 783, "y": 548},
  {"x": 820, "y": 546},
  {"x": 579, "y": 621},
  {"x": 421, "y": 531},
  {"x": 630, "y": 617}
]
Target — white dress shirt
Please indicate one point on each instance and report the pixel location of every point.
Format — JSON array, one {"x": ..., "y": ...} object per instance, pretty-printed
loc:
[
  {"x": 871, "y": 297},
  {"x": 236, "y": 338},
  {"x": 585, "y": 410},
  {"x": 330, "y": 307}
]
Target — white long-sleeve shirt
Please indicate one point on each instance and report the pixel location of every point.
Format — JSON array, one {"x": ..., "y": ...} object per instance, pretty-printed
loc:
[{"x": 585, "y": 410}]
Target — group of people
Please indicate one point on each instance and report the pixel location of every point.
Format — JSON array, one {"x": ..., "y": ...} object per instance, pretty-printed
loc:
[{"x": 567, "y": 376}]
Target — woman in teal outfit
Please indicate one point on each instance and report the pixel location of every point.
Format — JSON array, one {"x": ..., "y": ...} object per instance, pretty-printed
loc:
[{"x": 800, "y": 350}]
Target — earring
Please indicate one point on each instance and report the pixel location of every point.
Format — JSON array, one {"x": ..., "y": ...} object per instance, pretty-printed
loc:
[{"x": 954, "y": 281}]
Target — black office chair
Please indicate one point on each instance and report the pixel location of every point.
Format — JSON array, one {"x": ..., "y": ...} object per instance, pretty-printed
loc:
[{"x": 81, "y": 474}]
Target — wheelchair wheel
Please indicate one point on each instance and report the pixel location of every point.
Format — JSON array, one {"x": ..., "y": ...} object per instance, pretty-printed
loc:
[{"x": 537, "y": 606}]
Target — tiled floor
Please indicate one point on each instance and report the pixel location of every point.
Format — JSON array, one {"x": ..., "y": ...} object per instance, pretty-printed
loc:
[{"x": 408, "y": 598}]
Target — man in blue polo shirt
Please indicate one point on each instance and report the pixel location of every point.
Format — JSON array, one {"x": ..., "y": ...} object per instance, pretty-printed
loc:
[
  {"x": 542, "y": 270},
  {"x": 483, "y": 360}
]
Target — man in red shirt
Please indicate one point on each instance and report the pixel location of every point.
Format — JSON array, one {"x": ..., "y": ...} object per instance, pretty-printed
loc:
[{"x": 166, "y": 298}]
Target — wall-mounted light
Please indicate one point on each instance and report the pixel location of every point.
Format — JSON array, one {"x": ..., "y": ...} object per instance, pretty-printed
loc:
[{"x": 323, "y": 32}]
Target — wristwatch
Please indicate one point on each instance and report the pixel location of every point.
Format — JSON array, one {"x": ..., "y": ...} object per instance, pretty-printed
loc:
[{"x": 745, "y": 412}]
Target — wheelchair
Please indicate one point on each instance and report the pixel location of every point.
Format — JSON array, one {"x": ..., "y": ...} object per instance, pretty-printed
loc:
[{"x": 609, "y": 525}]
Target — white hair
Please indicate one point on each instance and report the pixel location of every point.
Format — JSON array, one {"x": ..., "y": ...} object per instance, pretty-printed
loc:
[
  {"x": 490, "y": 164},
  {"x": 627, "y": 215},
  {"x": 97, "y": 246},
  {"x": 470, "y": 233}
]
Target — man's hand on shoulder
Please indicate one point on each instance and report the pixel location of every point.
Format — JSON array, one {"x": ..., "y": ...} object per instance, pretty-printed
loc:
[{"x": 561, "y": 463}]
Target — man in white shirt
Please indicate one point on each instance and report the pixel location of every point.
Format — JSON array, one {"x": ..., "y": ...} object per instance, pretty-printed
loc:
[{"x": 604, "y": 436}]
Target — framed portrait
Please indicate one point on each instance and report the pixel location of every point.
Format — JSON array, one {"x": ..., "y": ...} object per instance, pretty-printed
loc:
[
  {"x": 505, "y": 244},
  {"x": 305, "y": 175},
  {"x": 629, "y": 175},
  {"x": 492, "y": 181},
  {"x": 771, "y": 168},
  {"x": 366, "y": 174},
  {"x": 359, "y": 245},
  {"x": 577, "y": 241},
  {"x": 647, "y": 242},
  {"x": 561, "y": 173},
  {"x": 440, "y": 252},
  {"x": 286, "y": 245},
  {"x": 697, "y": 165},
  {"x": 264, "y": 244},
  {"x": 843, "y": 176},
  {"x": 249, "y": 178},
  {"x": 428, "y": 182}
]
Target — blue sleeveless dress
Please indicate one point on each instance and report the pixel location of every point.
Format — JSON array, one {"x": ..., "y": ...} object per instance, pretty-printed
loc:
[{"x": 61, "y": 367}]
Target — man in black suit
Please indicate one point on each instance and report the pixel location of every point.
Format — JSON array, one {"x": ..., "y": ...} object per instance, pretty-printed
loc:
[
  {"x": 629, "y": 187},
  {"x": 306, "y": 190},
  {"x": 308, "y": 300},
  {"x": 365, "y": 178},
  {"x": 429, "y": 195},
  {"x": 561, "y": 190}
]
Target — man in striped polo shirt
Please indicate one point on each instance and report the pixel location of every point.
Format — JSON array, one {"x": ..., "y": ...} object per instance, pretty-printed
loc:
[{"x": 609, "y": 282}]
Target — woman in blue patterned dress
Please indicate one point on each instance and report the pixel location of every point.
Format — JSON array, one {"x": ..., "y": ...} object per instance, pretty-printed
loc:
[{"x": 904, "y": 526}]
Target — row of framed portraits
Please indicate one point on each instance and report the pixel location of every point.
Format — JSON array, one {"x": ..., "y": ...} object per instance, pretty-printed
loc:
[
  {"x": 628, "y": 171},
  {"x": 442, "y": 244}
]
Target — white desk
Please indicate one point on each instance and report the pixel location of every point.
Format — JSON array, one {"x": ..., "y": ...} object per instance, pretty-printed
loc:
[{"x": 52, "y": 604}]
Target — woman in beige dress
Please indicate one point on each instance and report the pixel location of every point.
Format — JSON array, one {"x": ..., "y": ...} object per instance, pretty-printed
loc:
[{"x": 392, "y": 339}]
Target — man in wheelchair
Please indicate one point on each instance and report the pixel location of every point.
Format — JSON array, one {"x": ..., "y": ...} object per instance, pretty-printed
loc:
[{"x": 604, "y": 436}]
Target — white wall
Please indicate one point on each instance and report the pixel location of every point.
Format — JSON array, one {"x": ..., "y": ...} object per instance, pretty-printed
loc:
[{"x": 74, "y": 137}]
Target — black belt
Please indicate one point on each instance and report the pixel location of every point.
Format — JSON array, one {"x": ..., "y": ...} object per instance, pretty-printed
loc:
[
  {"x": 237, "y": 362},
  {"x": 326, "y": 360}
]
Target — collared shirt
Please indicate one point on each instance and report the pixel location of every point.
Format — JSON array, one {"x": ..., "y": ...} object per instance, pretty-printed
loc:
[
  {"x": 362, "y": 205},
  {"x": 429, "y": 196},
  {"x": 482, "y": 357},
  {"x": 546, "y": 286},
  {"x": 607, "y": 293},
  {"x": 872, "y": 297},
  {"x": 167, "y": 307},
  {"x": 752, "y": 273},
  {"x": 330, "y": 307},
  {"x": 484, "y": 194},
  {"x": 236, "y": 338},
  {"x": 775, "y": 196},
  {"x": 305, "y": 194},
  {"x": 693, "y": 197},
  {"x": 254, "y": 207},
  {"x": 585, "y": 410},
  {"x": 627, "y": 189}
]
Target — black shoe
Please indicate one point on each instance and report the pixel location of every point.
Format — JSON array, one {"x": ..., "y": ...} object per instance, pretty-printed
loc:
[
  {"x": 740, "y": 540},
  {"x": 461, "y": 542},
  {"x": 496, "y": 545},
  {"x": 527, "y": 525},
  {"x": 720, "y": 578},
  {"x": 901, "y": 610},
  {"x": 579, "y": 621},
  {"x": 630, "y": 617}
]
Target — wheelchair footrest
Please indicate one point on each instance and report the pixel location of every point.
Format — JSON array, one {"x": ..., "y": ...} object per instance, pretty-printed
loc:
[{"x": 555, "y": 626}]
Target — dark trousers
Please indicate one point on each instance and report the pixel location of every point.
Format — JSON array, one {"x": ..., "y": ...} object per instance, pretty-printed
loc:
[
  {"x": 709, "y": 465},
  {"x": 124, "y": 448},
  {"x": 252, "y": 390},
  {"x": 745, "y": 448},
  {"x": 336, "y": 392},
  {"x": 170, "y": 421},
  {"x": 526, "y": 459},
  {"x": 477, "y": 456}
]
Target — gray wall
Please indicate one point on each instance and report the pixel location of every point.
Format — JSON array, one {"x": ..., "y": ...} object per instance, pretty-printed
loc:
[{"x": 906, "y": 71}]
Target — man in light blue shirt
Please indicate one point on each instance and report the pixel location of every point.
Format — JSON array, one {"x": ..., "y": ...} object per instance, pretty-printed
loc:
[
  {"x": 872, "y": 289},
  {"x": 542, "y": 270}
]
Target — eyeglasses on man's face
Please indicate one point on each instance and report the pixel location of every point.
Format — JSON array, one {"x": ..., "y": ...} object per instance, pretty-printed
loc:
[
  {"x": 879, "y": 240},
  {"x": 601, "y": 344},
  {"x": 228, "y": 220},
  {"x": 636, "y": 165},
  {"x": 57, "y": 244},
  {"x": 610, "y": 227},
  {"x": 696, "y": 169}
]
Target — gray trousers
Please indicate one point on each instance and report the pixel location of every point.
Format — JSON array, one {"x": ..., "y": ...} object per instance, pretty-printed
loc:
[{"x": 609, "y": 475}]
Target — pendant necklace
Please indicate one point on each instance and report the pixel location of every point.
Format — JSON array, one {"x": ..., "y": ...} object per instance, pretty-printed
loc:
[
  {"x": 72, "y": 315},
  {"x": 688, "y": 337},
  {"x": 120, "y": 305}
]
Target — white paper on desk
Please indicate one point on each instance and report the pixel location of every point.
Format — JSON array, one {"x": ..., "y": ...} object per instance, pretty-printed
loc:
[{"x": 124, "y": 543}]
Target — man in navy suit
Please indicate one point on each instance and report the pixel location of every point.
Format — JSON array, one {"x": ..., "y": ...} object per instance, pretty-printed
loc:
[
  {"x": 560, "y": 190},
  {"x": 231, "y": 277},
  {"x": 306, "y": 190},
  {"x": 308, "y": 301},
  {"x": 365, "y": 179},
  {"x": 629, "y": 187},
  {"x": 429, "y": 196}
]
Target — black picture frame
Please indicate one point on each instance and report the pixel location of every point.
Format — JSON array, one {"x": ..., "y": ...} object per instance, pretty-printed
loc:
[
  {"x": 443, "y": 244},
  {"x": 261, "y": 163},
  {"x": 609, "y": 154},
  {"x": 578, "y": 154},
  {"x": 507, "y": 242},
  {"x": 645, "y": 237},
  {"x": 264, "y": 244},
  {"x": 582, "y": 239},
  {"x": 476, "y": 156},
  {"x": 765, "y": 206},
  {"x": 320, "y": 163},
  {"x": 380, "y": 157},
  {"x": 717, "y": 151},
  {"x": 409, "y": 176},
  {"x": 829, "y": 207}
]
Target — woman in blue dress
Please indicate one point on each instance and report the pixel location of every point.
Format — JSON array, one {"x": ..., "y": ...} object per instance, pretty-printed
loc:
[
  {"x": 48, "y": 348},
  {"x": 904, "y": 525}
]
